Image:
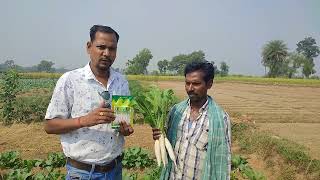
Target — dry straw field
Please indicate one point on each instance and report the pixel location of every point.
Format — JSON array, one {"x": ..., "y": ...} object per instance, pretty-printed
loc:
[{"x": 291, "y": 112}]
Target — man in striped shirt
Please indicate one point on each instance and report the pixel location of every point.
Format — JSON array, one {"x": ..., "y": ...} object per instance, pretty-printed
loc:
[{"x": 199, "y": 130}]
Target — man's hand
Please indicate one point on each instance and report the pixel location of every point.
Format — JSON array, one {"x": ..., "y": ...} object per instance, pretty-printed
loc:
[
  {"x": 100, "y": 115},
  {"x": 156, "y": 133},
  {"x": 125, "y": 129}
]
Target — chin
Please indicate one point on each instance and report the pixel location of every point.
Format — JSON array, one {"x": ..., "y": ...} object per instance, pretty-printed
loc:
[
  {"x": 194, "y": 99},
  {"x": 104, "y": 67}
]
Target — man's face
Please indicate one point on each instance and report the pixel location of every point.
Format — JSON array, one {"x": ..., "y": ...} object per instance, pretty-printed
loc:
[
  {"x": 196, "y": 87},
  {"x": 102, "y": 50}
]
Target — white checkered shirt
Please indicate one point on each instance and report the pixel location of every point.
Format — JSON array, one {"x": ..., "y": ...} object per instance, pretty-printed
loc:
[{"x": 191, "y": 145}]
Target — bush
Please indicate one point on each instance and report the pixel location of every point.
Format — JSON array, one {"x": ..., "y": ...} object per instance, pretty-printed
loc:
[
  {"x": 31, "y": 108},
  {"x": 8, "y": 94}
]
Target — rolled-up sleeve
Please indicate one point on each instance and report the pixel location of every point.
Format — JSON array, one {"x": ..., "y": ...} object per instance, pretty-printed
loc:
[{"x": 62, "y": 99}]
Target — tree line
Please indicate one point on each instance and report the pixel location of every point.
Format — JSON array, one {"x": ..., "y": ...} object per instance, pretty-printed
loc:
[
  {"x": 279, "y": 62},
  {"x": 43, "y": 66},
  {"x": 175, "y": 66},
  {"x": 276, "y": 59}
]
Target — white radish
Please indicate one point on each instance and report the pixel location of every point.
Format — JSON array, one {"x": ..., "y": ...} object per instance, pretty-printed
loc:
[
  {"x": 163, "y": 151},
  {"x": 170, "y": 151},
  {"x": 157, "y": 151}
]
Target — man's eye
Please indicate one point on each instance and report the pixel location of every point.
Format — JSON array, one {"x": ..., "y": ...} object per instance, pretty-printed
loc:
[{"x": 101, "y": 47}]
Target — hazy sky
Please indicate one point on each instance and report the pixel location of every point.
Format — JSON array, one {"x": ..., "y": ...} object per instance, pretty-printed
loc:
[{"x": 232, "y": 31}]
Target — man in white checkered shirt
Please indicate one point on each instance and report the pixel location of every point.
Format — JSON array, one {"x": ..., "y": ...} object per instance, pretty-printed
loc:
[
  {"x": 191, "y": 133},
  {"x": 79, "y": 115}
]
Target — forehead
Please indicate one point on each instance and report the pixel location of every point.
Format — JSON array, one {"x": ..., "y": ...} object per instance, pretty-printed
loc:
[
  {"x": 105, "y": 38},
  {"x": 195, "y": 76}
]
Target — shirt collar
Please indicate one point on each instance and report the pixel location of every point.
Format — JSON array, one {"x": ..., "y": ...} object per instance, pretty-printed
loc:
[
  {"x": 204, "y": 106},
  {"x": 88, "y": 74}
]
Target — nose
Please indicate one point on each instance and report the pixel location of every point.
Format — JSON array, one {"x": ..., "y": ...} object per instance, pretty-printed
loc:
[
  {"x": 190, "y": 87},
  {"x": 106, "y": 52}
]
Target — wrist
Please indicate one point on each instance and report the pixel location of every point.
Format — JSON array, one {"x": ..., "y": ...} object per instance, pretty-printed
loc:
[{"x": 80, "y": 125}]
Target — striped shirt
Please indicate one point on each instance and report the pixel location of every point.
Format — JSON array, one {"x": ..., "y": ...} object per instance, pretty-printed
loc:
[{"x": 192, "y": 142}]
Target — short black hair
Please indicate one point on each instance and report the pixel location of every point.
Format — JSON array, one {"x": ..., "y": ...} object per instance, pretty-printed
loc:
[
  {"x": 100, "y": 28},
  {"x": 206, "y": 67}
]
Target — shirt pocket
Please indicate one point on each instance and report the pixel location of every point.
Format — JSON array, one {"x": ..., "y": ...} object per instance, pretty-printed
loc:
[{"x": 202, "y": 142}]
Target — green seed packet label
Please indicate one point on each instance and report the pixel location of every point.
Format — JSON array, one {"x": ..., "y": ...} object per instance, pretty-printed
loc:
[{"x": 122, "y": 106}]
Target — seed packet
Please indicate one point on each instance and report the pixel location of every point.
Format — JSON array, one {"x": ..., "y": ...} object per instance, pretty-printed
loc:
[{"x": 123, "y": 109}]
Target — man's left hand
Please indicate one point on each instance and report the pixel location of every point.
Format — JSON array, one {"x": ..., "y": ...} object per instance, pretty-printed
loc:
[{"x": 125, "y": 129}]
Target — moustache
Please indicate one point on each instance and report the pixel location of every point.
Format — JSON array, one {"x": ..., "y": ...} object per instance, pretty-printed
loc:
[
  {"x": 106, "y": 59},
  {"x": 192, "y": 94}
]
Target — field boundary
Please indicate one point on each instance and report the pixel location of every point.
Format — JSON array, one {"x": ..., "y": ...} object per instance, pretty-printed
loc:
[{"x": 218, "y": 79}]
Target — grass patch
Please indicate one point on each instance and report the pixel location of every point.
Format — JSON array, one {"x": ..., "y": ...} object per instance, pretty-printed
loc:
[{"x": 250, "y": 140}]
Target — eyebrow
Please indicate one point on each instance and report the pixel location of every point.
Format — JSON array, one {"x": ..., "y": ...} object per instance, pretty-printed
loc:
[{"x": 104, "y": 45}]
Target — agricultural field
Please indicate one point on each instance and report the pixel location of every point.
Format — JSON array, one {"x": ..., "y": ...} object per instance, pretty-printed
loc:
[
  {"x": 289, "y": 112},
  {"x": 288, "y": 109}
]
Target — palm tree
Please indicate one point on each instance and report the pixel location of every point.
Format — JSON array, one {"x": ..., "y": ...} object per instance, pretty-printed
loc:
[{"x": 274, "y": 55}]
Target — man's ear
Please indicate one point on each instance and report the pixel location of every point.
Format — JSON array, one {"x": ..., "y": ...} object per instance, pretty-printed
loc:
[
  {"x": 209, "y": 83},
  {"x": 89, "y": 44}
]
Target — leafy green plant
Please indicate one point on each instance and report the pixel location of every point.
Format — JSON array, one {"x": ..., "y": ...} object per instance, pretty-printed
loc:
[
  {"x": 31, "y": 108},
  {"x": 18, "y": 174},
  {"x": 54, "y": 160},
  {"x": 249, "y": 173},
  {"x": 29, "y": 164},
  {"x": 54, "y": 174},
  {"x": 10, "y": 159},
  {"x": 22, "y": 169},
  {"x": 136, "y": 157},
  {"x": 8, "y": 94},
  {"x": 155, "y": 105},
  {"x": 129, "y": 176},
  {"x": 153, "y": 173},
  {"x": 240, "y": 164}
]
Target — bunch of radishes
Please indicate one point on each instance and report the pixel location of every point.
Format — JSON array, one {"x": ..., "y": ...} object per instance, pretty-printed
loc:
[{"x": 155, "y": 105}]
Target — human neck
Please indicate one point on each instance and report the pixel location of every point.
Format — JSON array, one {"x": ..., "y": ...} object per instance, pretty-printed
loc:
[
  {"x": 98, "y": 73},
  {"x": 196, "y": 105}
]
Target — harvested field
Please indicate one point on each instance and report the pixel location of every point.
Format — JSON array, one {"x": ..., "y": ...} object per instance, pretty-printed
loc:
[{"x": 288, "y": 111}]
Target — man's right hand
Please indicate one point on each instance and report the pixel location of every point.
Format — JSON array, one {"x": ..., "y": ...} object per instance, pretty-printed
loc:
[
  {"x": 156, "y": 133},
  {"x": 99, "y": 115}
]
